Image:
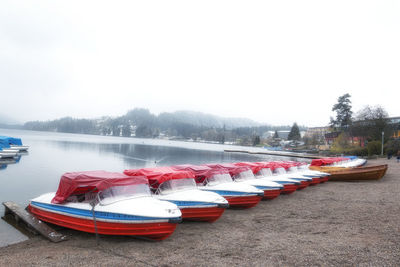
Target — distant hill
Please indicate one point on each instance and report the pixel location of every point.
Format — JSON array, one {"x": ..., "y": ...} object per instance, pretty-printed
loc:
[
  {"x": 5, "y": 119},
  {"x": 7, "y": 122},
  {"x": 183, "y": 125},
  {"x": 206, "y": 120}
]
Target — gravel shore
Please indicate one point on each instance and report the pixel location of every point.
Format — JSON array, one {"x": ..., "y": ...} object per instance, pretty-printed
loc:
[{"x": 336, "y": 223}]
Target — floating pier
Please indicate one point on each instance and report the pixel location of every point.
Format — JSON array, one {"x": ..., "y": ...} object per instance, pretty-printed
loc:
[
  {"x": 275, "y": 153},
  {"x": 32, "y": 223}
]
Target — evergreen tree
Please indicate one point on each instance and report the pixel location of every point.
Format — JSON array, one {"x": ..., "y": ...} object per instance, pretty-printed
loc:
[
  {"x": 276, "y": 135},
  {"x": 256, "y": 140},
  {"x": 343, "y": 112},
  {"x": 294, "y": 133}
]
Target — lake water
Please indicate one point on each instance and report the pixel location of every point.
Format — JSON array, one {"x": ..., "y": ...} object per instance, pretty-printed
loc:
[{"x": 52, "y": 154}]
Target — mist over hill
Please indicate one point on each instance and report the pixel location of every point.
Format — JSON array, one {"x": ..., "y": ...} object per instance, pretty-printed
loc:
[
  {"x": 6, "y": 119},
  {"x": 206, "y": 120},
  {"x": 140, "y": 122},
  {"x": 9, "y": 122}
]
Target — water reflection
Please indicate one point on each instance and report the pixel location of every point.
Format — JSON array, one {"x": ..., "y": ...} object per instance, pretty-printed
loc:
[
  {"x": 4, "y": 162},
  {"x": 139, "y": 156}
]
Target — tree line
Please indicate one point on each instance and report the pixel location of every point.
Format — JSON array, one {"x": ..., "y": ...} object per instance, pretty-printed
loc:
[
  {"x": 368, "y": 125},
  {"x": 140, "y": 122}
]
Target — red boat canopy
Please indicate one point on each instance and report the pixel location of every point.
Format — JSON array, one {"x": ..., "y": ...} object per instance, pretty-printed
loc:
[
  {"x": 326, "y": 161},
  {"x": 157, "y": 176},
  {"x": 284, "y": 164},
  {"x": 233, "y": 169},
  {"x": 266, "y": 165},
  {"x": 201, "y": 172},
  {"x": 255, "y": 168},
  {"x": 73, "y": 183}
]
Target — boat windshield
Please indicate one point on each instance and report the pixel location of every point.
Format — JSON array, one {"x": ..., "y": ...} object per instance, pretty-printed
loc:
[
  {"x": 219, "y": 179},
  {"x": 265, "y": 172},
  {"x": 303, "y": 167},
  {"x": 243, "y": 176},
  {"x": 279, "y": 171},
  {"x": 174, "y": 185},
  {"x": 293, "y": 169},
  {"x": 118, "y": 193}
]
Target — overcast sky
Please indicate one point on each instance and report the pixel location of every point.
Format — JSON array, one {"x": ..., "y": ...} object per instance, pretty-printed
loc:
[{"x": 271, "y": 61}]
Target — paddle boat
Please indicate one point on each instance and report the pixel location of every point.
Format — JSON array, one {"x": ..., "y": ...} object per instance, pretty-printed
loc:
[
  {"x": 239, "y": 195},
  {"x": 179, "y": 187},
  {"x": 5, "y": 153},
  {"x": 347, "y": 162},
  {"x": 281, "y": 169},
  {"x": 6, "y": 148},
  {"x": 107, "y": 203},
  {"x": 14, "y": 143},
  {"x": 244, "y": 175},
  {"x": 303, "y": 169},
  {"x": 354, "y": 161},
  {"x": 262, "y": 170}
]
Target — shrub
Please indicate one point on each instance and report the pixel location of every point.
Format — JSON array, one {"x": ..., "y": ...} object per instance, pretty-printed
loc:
[
  {"x": 374, "y": 148},
  {"x": 357, "y": 151},
  {"x": 392, "y": 146},
  {"x": 353, "y": 151}
]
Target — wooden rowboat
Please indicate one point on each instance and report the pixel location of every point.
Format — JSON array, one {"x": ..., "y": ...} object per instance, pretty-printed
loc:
[{"x": 353, "y": 174}]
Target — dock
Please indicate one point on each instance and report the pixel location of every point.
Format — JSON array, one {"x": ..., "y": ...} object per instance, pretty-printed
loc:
[
  {"x": 275, "y": 153},
  {"x": 32, "y": 223}
]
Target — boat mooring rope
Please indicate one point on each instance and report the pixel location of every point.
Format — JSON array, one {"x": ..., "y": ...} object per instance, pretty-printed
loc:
[{"x": 93, "y": 204}]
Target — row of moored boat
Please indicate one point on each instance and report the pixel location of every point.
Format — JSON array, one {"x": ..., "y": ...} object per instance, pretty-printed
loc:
[
  {"x": 149, "y": 202},
  {"x": 10, "y": 147}
]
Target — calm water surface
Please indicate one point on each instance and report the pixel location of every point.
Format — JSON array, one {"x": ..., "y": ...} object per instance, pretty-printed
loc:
[{"x": 52, "y": 154}]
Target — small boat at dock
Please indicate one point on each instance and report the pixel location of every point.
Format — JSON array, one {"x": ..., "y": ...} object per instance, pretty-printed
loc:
[
  {"x": 179, "y": 187},
  {"x": 263, "y": 170},
  {"x": 244, "y": 175},
  {"x": 13, "y": 144},
  {"x": 353, "y": 174},
  {"x": 280, "y": 170},
  {"x": 107, "y": 203},
  {"x": 239, "y": 195}
]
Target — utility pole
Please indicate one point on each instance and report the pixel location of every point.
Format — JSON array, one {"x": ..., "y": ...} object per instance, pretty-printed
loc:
[{"x": 382, "y": 143}]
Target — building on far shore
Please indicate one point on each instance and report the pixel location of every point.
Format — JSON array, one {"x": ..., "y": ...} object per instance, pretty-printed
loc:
[
  {"x": 395, "y": 121},
  {"x": 320, "y": 131},
  {"x": 329, "y": 135}
]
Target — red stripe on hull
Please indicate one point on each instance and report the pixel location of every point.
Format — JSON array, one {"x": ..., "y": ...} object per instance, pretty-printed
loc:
[
  {"x": 243, "y": 202},
  {"x": 315, "y": 181},
  {"x": 271, "y": 194},
  {"x": 202, "y": 214},
  {"x": 289, "y": 188},
  {"x": 155, "y": 231},
  {"x": 324, "y": 179},
  {"x": 303, "y": 184}
]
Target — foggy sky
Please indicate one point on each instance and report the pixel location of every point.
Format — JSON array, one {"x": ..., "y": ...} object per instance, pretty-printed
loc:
[{"x": 271, "y": 61}]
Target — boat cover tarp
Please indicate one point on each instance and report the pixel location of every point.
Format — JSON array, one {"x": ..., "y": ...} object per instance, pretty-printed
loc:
[
  {"x": 282, "y": 164},
  {"x": 297, "y": 163},
  {"x": 231, "y": 168},
  {"x": 326, "y": 161},
  {"x": 158, "y": 175},
  {"x": 201, "y": 172},
  {"x": 89, "y": 181},
  {"x": 4, "y": 144},
  {"x": 351, "y": 157},
  {"x": 12, "y": 140},
  {"x": 267, "y": 165},
  {"x": 255, "y": 168}
]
